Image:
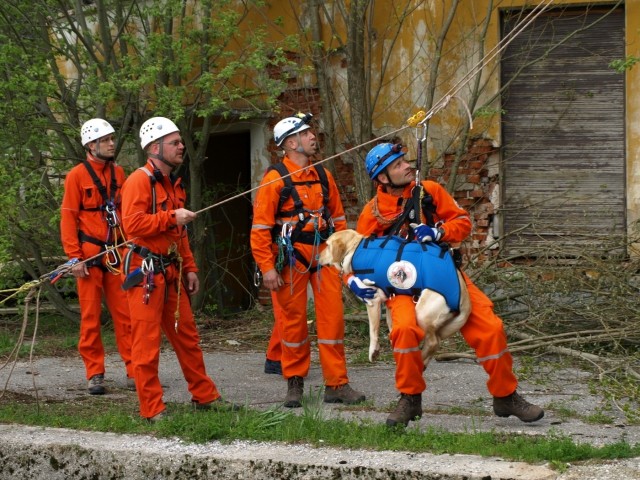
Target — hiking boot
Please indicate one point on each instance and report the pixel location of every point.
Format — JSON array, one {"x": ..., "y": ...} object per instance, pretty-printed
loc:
[
  {"x": 131, "y": 384},
  {"x": 159, "y": 416},
  {"x": 218, "y": 404},
  {"x": 295, "y": 388},
  {"x": 409, "y": 408},
  {"x": 514, "y": 404},
  {"x": 273, "y": 366},
  {"x": 96, "y": 385},
  {"x": 343, "y": 394}
]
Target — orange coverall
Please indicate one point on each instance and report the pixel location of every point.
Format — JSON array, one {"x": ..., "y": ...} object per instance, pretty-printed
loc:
[
  {"x": 274, "y": 349},
  {"x": 80, "y": 211},
  {"x": 484, "y": 331},
  {"x": 158, "y": 233},
  {"x": 292, "y": 296}
]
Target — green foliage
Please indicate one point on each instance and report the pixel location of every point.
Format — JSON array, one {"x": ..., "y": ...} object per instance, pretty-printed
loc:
[
  {"x": 98, "y": 414},
  {"x": 56, "y": 336},
  {"x": 488, "y": 112},
  {"x": 124, "y": 61},
  {"x": 622, "y": 65}
]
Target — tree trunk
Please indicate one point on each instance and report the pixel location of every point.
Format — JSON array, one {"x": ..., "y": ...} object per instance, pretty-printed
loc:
[
  {"x": 319, "y": 58},
  {"x": 358, "y": 95}
]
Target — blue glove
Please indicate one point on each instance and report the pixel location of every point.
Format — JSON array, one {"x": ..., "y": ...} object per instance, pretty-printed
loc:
[
  {"x": 362, "y": 289},
  {"x": 424, "y": 233}
]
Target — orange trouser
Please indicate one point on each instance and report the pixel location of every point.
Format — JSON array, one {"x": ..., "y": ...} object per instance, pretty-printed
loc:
[
  {"x": 274, "y": 349},
  {"x": 90, "y": 291},
  {"x": 147, "y": 322},
  {"x": 296, "y": 352},
  {"x": 484, "y": 332}
]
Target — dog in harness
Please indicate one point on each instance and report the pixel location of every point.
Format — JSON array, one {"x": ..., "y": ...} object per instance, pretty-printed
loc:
[
  {"x": 400, "y": 267},
  {"x": 426, "y": 271}
]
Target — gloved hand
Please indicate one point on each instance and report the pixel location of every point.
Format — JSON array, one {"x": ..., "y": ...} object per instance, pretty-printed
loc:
[
  {"x": 362, "y": 289},
  {"x": 425, "y": 233}
]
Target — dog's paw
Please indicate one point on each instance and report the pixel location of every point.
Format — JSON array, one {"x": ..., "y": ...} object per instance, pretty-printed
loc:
[{"x": 374, "y": 353}]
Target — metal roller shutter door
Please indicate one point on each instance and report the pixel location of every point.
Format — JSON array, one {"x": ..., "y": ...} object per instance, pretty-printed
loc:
[{"x": 563, "y": 135}]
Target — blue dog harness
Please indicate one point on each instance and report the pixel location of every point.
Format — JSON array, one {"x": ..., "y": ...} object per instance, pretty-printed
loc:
[{"x": 406, "y": 268}]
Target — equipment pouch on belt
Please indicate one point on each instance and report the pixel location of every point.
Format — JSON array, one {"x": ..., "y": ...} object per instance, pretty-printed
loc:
[{"x": 133, "y": 279}]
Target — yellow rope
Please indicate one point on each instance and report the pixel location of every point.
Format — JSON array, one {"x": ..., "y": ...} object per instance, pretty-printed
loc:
[
  {"x": 17, "y": 291},
  {"x": 174, "y": 249}
]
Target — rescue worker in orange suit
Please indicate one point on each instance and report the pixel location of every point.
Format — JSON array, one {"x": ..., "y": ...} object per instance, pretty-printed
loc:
[
  {"x": 90, "y": 225},
  {"x": 161, "y": 272},
  {"x": 285, "y": 241},
  {"x": 484, "y": 331}
]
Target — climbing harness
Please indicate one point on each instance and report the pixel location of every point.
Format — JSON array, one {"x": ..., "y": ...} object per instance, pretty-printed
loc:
[
  {"x": 112, "y": 260},
  {"x": 402, "y": 267},
  {"x": 154, "y": 263},
  {"x": 286, "y": 234}
]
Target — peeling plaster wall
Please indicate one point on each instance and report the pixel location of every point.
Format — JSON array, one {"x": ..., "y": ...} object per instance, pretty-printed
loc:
[{"x": 633, "y": 117}]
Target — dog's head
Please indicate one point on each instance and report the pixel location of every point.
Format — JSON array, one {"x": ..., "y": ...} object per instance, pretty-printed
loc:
[{"x": 339, "y": 249}]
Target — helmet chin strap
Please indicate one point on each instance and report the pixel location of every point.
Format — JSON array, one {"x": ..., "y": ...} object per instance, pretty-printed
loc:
[
  {"x": 390, "y": 184},
  {"x": 299, "y": 148},
  {"x": 96, "y": 153},
  {"x": 160, "y": 156},
  {"x": 102, "y": 157}
]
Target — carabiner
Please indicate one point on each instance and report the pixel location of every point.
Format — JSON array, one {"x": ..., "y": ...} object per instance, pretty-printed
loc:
[
  {"x": 287, "y": 228},
  {"x": 112, "y": 216},
  {"x": 147, "y": 266},
  {"x": 112, "y": 257},
  {"x": 424, "y": 132},
  {"x": 257, "y": 278}
]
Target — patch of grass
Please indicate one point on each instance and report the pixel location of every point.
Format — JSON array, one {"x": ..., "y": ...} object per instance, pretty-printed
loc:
[
  {"x": 55, "y": 336},
  {"x": 470, "y": 412},
  {"x": 599, "y": 418},
  {"x": 562, "y": 411},
  {"x": 275, "y": 424}
]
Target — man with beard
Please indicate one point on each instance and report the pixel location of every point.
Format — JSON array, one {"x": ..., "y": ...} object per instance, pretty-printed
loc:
[
  {"x": 90, "y": 226},
  {"x": 295, "y": 210},
  {"x": 162, "y": 273},
  {"x": 390, "y": 211}
]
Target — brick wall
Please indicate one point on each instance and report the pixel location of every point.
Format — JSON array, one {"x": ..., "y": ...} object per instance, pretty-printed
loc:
[
  {"x": 476, "y": 185},
  {"x": 476, "y": 190}
]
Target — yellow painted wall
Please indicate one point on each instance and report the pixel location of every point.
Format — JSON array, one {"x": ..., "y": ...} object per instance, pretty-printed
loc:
[
  {"x": 405, "y": 89},
  {"x": 633, "y": 114}
]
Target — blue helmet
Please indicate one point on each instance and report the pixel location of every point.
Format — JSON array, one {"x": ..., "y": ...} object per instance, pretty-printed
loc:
[{"x": 381, "y": 156}]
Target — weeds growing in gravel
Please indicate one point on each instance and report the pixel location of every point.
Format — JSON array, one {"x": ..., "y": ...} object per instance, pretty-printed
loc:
[{"x": 276, "y": 424}]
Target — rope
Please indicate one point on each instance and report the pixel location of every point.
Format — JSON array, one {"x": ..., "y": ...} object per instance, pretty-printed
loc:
[
  {"x": 174, "y": 249},
  {"x": 441, "y": 104},
  {"x": 494, "y": 52},
  {"x": 35, "y": 289},
  {"x": 412, "y": 122}
]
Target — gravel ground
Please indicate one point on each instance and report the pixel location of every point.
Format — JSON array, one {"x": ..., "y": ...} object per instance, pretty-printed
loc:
[{"x": 456, "y": 400}]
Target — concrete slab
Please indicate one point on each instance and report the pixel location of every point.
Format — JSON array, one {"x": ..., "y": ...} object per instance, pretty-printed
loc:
[{"x": 456, "y": 400}]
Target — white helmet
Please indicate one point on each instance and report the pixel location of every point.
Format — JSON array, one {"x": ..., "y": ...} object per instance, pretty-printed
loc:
[
  {"x": 94, "y": 129},
  {"x": 290, "y": 125},
  {"x": 155, "y": 128}
]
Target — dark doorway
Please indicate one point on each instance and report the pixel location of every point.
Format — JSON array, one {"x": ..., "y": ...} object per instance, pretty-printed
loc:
[{"x": 227, "y": 172}]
